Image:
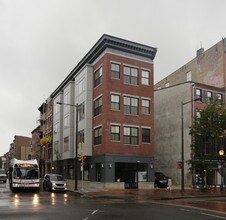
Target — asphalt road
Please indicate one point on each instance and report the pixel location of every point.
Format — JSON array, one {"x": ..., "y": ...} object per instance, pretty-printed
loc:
[{"x": 46, "y": 205}]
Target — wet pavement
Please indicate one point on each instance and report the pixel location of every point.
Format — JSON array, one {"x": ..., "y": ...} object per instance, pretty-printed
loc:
[
  {"x": 214, "y": 200},
  {"x": 153, "y": 194}
]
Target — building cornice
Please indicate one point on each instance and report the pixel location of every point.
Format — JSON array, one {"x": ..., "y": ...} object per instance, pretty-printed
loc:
[{"x": 107, "y": 41}]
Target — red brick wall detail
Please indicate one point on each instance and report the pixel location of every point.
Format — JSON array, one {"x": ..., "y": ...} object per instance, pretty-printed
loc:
[{"x": 108, "y": 116}]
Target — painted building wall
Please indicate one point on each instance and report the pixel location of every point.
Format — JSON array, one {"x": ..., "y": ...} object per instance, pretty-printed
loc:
[
  {"x": 168, "y": 130},
  {"x": 62, "y": 129},
  {"x": 206, "y": 68},
  {"x": 57, "y": 128},
  {"x": 67, "y": 115},
  {"x": 85, "y": 79},
  {"x": 20, "y": 141},
  {"x": 26, "y": 152}
]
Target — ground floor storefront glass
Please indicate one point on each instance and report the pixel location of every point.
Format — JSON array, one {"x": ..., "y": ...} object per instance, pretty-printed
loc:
[
  {"x": 130, "y": 173},
  {"x": 130, "y": 170}
]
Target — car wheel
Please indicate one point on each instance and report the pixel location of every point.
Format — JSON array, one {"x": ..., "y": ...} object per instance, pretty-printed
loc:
[{"x": 48, "y": 188}]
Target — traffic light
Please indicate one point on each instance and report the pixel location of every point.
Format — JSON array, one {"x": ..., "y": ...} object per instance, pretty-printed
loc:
[
  {"x": 84, "y": 157},
  {"x": 80, "y": 157}
]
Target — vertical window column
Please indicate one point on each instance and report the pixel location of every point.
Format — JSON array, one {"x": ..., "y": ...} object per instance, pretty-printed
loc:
[
  {"x": 115, "y": 71},
  {"x": 115, "y": 102},
  {"x": 98, "y": 136},
  {"x": 145, "y": 77},
  {"x": 98, "y": 77},
  {"x": 98, "y": 106},
  {"x": 115, "y": 132}
]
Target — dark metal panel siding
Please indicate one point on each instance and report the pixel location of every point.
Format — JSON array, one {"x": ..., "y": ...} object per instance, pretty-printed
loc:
[{"x": 108, "y": 170}]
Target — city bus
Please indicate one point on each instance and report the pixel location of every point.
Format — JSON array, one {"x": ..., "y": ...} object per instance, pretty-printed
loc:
[{"x": 24, "y": 174}]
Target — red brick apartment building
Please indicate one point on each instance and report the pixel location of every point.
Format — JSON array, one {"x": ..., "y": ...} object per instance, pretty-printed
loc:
[
  {"x": 45, "y": 136},
  {"x": 117, "y": 117}
]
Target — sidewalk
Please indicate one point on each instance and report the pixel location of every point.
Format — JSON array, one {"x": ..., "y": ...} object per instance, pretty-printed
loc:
[{"x": 151, "y": 194}]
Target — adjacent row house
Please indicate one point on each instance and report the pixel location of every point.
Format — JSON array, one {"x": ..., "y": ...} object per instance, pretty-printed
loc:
[
  {"x": 179, "y": 97},
  {"x": 20, "y": 148}
]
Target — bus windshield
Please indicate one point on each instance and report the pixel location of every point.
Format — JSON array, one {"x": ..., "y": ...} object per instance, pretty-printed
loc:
[{"x": 25, "y": 173}]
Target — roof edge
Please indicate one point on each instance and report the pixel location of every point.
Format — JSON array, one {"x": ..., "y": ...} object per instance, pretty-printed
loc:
[{"x": 108, "y": 41}]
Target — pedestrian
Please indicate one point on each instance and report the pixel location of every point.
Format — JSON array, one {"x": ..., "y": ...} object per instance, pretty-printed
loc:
[{"x": 169, "y": 184}]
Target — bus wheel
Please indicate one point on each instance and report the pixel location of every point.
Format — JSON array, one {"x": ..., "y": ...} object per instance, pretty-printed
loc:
[{"x": 13, "y": 190}]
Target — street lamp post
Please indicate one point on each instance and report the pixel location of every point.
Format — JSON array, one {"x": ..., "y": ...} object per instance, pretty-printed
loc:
[
  {"x": 182, "y": 141},
  {"x": 76, "y": 143}
]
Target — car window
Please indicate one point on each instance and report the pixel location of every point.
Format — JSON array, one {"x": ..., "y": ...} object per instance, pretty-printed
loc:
[
  {"x": 2, "y": 171},
  {"x": 57, "y": 178},
  {"x": 160, "y": 175}
]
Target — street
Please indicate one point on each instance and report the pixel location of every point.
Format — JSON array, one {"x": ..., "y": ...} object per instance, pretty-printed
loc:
[{"x": 47, "y": 205}]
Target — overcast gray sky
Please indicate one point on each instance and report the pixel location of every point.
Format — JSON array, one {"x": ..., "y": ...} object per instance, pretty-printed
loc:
[{"x": 41, "y": 41}]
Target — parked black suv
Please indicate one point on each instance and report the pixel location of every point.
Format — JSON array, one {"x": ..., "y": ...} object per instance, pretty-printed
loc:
[{"x": 161, "y": 180}]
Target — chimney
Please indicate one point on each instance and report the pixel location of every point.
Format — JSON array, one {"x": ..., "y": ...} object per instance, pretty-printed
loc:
[{"x": 200, "y": 51}]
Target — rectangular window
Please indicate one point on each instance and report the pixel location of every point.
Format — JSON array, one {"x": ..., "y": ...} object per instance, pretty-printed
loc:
[
  {"x": 197, "y": 113},
  {"x": 115, "y": 71},
  {"x": 115, "y": 133},
  {"x": 198, "y": 93},
  {"x": 66, "y": 97},
  {"x": 56, "y": 108},
  {"x": 66, "y": 100},
  {"x": 167, "y": 84},
  {"x": 130, "y": 75},
  {"x": 98, "y": 106},
  {"x": 130, "y": 105},
  {"x": 56, "y": 150},
  {"x": 98, "y": 136},
  {"x": 66, "y": 121},
  {"x": 81, "y": 86},
  {"x": 56, "y": 127},
  {"x": 81, "y": 111},
  {"x": 115, "y": 102},
  {"x": 98, "y": 77},
  {"x": 220, "y": 97},
  {"x": 81, "y": 136},
  {"x": 209, "y": 96},
  {"x": 146, "y": 135},
  {"x": 130, "y": 135},
  {"x": 66, "y": 144},
  {"x": 145, "y": 80},
  {"x": 145, "y": 106},
  {"x": 188, "y": 74}
]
